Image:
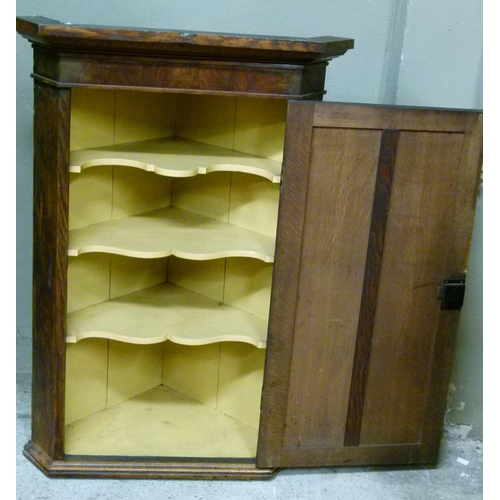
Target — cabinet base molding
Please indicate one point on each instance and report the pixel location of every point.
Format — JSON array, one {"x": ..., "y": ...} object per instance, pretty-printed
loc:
[{"x": 144, "y": 468}]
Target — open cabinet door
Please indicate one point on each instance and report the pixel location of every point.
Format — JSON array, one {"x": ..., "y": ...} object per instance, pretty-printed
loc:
[{"x": 376, "y": 213}]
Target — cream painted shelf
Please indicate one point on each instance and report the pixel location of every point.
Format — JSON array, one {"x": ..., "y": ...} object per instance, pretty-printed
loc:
[
  {"x": 171, "y": 231},
  {"x": 167, "y": 312},
  {"x": 161, "y": 422},
  {"x": 176, "y": 157}
]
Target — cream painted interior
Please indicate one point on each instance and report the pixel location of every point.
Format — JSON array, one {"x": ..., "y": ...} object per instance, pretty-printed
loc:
[{"x": 166, "y": 342}]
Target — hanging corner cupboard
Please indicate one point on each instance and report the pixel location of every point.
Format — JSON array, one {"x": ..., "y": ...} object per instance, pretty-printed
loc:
[{"x": 231, "y": 276}]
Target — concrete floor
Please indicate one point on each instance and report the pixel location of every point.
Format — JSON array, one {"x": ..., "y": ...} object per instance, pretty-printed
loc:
[{"x": 449, "y": 480}]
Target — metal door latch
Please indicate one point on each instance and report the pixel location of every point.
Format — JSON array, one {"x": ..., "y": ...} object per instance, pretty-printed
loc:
[{"x": 452, "y": 293}]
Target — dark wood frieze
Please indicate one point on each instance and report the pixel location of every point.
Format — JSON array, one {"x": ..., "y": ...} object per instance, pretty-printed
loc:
[
  {"x": 65, "y": 69},
  {"x": 67, "y": 55}
]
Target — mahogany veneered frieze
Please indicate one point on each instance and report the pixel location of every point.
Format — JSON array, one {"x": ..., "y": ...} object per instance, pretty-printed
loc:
[
  {"x": 64, "y": 69},
  {"x": 71, "y": 55}
]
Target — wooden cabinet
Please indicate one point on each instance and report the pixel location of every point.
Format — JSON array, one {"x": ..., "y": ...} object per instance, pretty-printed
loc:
[{"x": 231, "y": 276}]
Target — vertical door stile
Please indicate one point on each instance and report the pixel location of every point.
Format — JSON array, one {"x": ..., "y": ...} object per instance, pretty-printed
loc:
[
  {"x": 285, "y": 281},
  {"x": 468, "y": 185},
  {"x": 50, "y": 232}
]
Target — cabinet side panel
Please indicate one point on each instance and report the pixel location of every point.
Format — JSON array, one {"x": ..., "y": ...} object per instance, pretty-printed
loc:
[
  {"x": 136, "y": 191},
  {"x": 86, "y": 378},
  {"x": 240, "y": 382},
  {"x": 132, "y": 369},
  {"x": 248, "y": 285},
  {"x": 413, "y": 266},
  {"x": 204, "y": 194},
  {"x": 339, "y": 204},
  {"x": 50, "y": 243},
  {"x": 143, "y": 115},
  {"x": 208, "y": 119},
  {"x": 88, "y": 280},
  {"x": 205, "y": 277},
  {"x": 260, "y": 127},
  {"x": 254, "y": 203},
  {"x": 130, "y": 275},
  {"x": 192, "y": 371},
  {"x": 91, "y": 197},
  {"x": 92, "y": 118}
]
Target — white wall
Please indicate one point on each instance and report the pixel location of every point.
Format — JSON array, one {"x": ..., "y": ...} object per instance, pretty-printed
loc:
[
  {"x": 414, "y": 52},
  {"x": 442, "y": 66},
  {"x": 442, "y": 63}
]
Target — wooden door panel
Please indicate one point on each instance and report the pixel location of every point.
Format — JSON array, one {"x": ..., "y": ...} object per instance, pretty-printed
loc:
[
  {"x": 327, "y": 314},
  {"x": 359, "y": 347},
  {"x": 407, "y": 311}
]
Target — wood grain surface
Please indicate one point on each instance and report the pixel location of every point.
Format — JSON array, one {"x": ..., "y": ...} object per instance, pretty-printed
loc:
[
  {"x": 365, "y": 350},
  {"x": 73, "y": 55},
  {"x": 180, "y": 43},
  {"x": 373, "y": 268},
  {"x": 339, "y": 202},
  {"x": 50, "y": 257},
  {"x": 285, "y": 282}
]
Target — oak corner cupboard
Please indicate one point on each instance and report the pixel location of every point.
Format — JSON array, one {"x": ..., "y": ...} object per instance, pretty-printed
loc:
[{"x": 231, "y": 276}]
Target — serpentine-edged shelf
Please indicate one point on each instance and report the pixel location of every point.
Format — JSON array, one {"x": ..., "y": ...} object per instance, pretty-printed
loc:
[
  {"x": 171, "y": 231},
  {"x": 175, "y": 157},
  {"x": 166, "y": 312}
]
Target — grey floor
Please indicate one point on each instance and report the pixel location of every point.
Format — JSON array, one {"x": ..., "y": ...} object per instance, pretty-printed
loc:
[{"x": 450, "y": 479}]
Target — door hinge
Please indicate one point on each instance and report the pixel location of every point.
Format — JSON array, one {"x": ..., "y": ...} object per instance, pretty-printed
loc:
[{"x": 452, "y": 293}]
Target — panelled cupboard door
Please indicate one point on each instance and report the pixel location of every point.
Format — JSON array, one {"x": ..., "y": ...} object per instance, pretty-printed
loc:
[{"x": 376, "y": 210}]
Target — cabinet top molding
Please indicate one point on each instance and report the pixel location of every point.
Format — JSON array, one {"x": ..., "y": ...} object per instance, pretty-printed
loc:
[{"x": 257, "y": 48}]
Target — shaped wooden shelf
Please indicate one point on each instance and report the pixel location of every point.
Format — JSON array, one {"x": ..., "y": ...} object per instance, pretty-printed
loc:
[
  {"x": 171, "y": 231},
  {"x": 166, "y": 312},
  {"x": 176, "y": 157}
]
